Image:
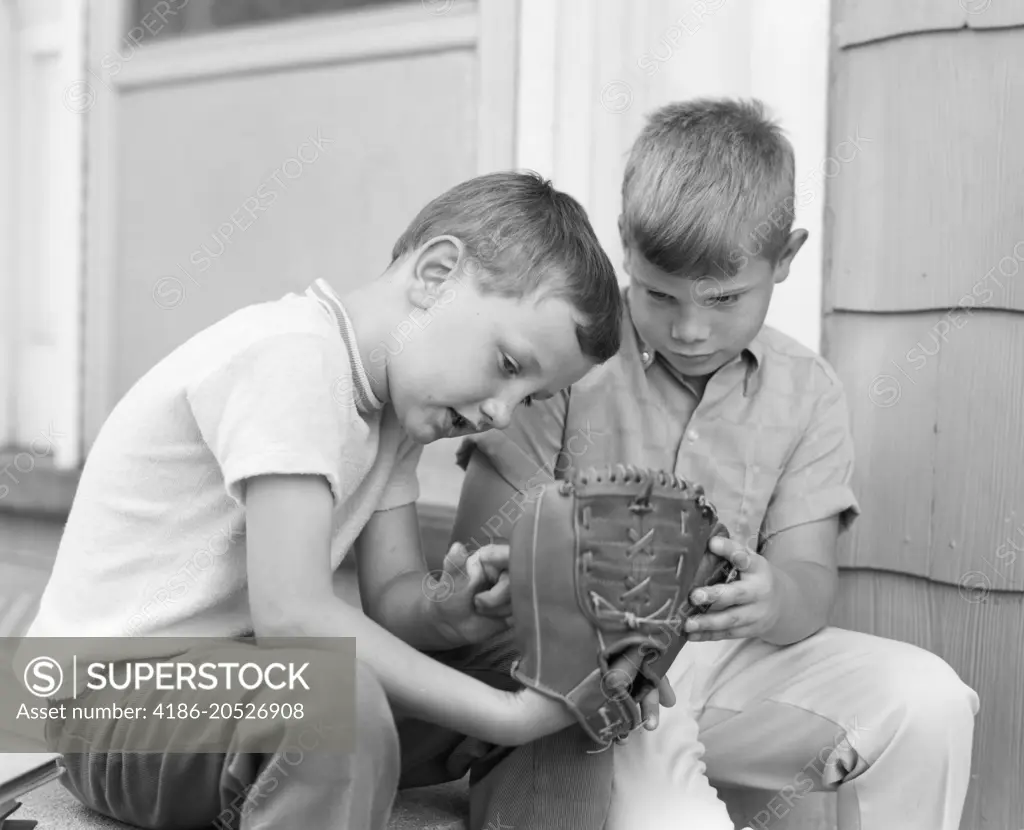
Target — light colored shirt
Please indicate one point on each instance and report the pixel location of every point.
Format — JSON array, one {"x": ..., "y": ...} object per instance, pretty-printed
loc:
[
  {"x": 155, "y": 543},
  {"x": 768, "y": 437}
]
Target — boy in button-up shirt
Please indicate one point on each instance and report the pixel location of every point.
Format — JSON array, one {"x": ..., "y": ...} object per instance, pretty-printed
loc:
[{"x": 769, "y": 696}]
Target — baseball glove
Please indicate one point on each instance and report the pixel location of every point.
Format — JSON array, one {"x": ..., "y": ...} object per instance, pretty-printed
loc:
[{"x": 601, "y": 567}]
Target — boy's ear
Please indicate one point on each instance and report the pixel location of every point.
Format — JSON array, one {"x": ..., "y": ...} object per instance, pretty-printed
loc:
[
  {"x": 792, "y": 247},
  {"x": 436, "y": 263}
]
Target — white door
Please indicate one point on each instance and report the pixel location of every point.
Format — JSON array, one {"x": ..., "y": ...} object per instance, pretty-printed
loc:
[{"x": 233, "y": 159}]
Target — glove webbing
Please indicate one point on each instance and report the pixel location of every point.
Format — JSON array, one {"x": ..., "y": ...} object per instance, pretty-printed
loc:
[{"x": 634, "y": 621}]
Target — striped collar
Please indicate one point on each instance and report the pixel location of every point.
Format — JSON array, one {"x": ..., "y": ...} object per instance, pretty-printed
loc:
[{"x": 321, "y": 291}]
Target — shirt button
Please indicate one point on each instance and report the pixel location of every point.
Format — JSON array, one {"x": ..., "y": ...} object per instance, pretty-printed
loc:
[
  {"x": 691, "y": 435},
  {"x": 645, "y": 356}
]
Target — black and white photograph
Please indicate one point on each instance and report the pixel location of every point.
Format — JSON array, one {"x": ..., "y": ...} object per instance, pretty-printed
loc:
[{"x": 511, "y": 415}]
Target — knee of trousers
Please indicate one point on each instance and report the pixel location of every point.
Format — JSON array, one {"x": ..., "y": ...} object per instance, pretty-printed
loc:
[
  {"x": 375, "y": 729},
  {"x": 932, "y": 700},
  {"x": 364, "y": 732}
]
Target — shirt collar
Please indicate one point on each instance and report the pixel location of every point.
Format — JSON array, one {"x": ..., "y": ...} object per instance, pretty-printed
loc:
[{"x": 365, "y": 399}]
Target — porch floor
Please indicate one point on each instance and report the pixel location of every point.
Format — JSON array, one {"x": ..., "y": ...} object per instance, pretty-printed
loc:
[{"x": 429, "y": 808}]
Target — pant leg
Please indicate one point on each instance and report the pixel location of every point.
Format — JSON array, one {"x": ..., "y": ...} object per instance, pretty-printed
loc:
[
  {"x": 885, "y": 724},
  {"x": 550, "y": 784},
  {"x": 305, "y": 781},
  {"x": 660, "y": 778}
]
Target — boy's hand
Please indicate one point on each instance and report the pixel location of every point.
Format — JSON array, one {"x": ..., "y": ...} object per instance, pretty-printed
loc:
[
  {"x": 651, "y": 703},
  {"x": 624, "y": 670},
  {"x": 747, "y": 607},
  {"x": 497, "y": 600},
  {"x": 538, "y": 715},
  {"x": 468, "y": 586}
]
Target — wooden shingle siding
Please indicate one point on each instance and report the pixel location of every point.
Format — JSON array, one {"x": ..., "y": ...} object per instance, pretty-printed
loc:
[
  {"x": 862, "y": 21},
  {"x": 924, "y": 323},
  {"x": 980, "y": 636},
  {"x": 937, "y": 424},
  {"x": 932, "y": 214}
]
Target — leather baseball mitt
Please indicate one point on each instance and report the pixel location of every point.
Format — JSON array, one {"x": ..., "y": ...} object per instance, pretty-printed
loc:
[{"x": 601, "y": 567}]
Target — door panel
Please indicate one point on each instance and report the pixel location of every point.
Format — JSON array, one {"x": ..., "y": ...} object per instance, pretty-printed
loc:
[{"x": 245, "y": 163}]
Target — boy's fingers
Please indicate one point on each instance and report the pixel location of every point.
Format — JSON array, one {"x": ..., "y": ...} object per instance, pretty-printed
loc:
[
  {"x": 455, "y": 559},
  {"x": 653, "y": 699},
  {"x": 496, "y": 596},
  {"x": 733, "y": 550},
  {"x": 666, "y": 694},
  {"x": 474, "y": 573},
  {"x": 722, "y": 621},
  {"x": 649, "y": 705},
  {"x": 494, "y": 559},
  {"x": 721, "y": 596},
  {"x": 503, "y": 588}
]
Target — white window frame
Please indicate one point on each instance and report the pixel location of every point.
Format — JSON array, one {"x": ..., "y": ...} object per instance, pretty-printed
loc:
[
  {"x": 7, "y": 232},
  {"x": 116, "y": 65},
  {"x": 41, "y": 152}
]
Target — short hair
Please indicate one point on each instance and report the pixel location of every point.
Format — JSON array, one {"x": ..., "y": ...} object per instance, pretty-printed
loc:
[
  {"x": 700, "y": 174},
  {"x": 528, "y": 237}
]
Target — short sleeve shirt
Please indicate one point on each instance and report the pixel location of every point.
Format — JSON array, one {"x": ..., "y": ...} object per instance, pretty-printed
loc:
[
  {"x": 155, "y": 544},
  {"x": 768, "y": 438}
]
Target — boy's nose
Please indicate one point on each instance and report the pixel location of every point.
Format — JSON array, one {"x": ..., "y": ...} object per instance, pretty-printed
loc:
[
  {"x": 497, "y": 413},
  {"x": 690, "y": 329}
]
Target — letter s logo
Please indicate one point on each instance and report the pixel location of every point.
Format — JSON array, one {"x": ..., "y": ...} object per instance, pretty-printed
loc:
[{"x": 43, "y": 676}]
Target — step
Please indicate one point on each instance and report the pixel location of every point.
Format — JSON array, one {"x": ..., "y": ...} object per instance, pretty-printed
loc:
[
  {"x": 443, "y": 807},
  {"x": 429, "y": 808}
]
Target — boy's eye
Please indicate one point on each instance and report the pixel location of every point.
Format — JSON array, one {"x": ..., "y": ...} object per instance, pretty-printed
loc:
[
  {"x": 658, "y": 295},
  {"x": 509, "y": 366},
  {"x": 719, "y": 300}
]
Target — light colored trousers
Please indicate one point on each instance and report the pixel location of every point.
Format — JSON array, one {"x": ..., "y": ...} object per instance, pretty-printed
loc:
[{"x": 886, "y": 725}]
